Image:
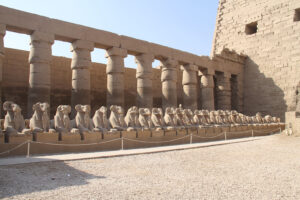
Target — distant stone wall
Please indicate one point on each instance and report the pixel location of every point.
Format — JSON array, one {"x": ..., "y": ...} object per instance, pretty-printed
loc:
[
  {"x": 16, "y": 76},
  {"x": 272, "y": 69}
]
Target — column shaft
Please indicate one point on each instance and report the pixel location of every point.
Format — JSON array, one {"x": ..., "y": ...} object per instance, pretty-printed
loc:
[
  {"x": 2, "y": 34},
  {"x": 240, "y": 91},
  {"x": 169, "y": 80},
  {"x": 224, "y": 91},
  {"x": 144, "y": 80},
  {"x": 189, "y": 81},
  {"x": 39, "y": 78},
  {"x": 115, "y": 76},
  {"x": 207, "y": 90},
  {"x": 81, "y": 62}
]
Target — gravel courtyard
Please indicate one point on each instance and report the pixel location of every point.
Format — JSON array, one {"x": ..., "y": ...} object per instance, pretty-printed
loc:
[{"x": 268, "y": 168}]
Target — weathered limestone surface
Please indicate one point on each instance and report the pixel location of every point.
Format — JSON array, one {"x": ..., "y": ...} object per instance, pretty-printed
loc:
[
  {"x": 2, "y": 34},
  {"x": 169, "y": 80},
  {"x": 272, "y": 68},
  {"x": 80, "y": 66},
  {"x": 115, "y": 76},
  {"x": 189, "y": 81},
  {"x": 207, "y": 89},
  {"x": 224, "y": 91},
  {"x": 144, "y": 80},
  {"x": 39, "y": 59}
]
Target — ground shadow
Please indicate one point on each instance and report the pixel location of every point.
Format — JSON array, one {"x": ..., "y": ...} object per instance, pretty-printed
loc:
[{"x": 35, "y": 177}]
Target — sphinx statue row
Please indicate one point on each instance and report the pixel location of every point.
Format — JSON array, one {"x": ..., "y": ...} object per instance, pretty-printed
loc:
[{"x": 135, "y": 119}]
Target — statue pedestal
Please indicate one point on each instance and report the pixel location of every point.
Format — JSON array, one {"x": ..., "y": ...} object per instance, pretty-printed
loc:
[
  {"x": 46, "y": 137},
  {"x": 70, "y": 138}
]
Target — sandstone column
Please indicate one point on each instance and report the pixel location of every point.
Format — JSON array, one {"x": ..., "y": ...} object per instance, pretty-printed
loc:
[
  {"x": 144, "y": 80},
  {"x": 240, "y": 91},
  {"x": 224, "y": 91},
  {"x": 207, "y": 90},
  {"x": 115, "y": 76},
  {"x": 2, "y": 34},
  {"x": 189, "y": 81},
  {"x": 169, "y": 80},
  {"x": 39, "y": 78},
  {"x": 80, "y": 66}
]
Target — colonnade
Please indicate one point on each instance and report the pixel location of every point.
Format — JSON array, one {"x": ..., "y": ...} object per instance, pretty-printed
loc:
[{"x": 39, "y": 78}]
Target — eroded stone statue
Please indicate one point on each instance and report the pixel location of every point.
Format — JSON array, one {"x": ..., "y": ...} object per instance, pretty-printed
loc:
[
  {"x": 157, "y": 118},
  {"x": 13, "y": 122},
  {"x": 218, "y": 117},
  {"x": 114, "y": 118},
  {"x": 40, "y": 121},
  {"x": 132, "y": 119},
  {"x": 179, "y": 117},
  {"x": 82, "y": 121},
  {"x": 62, "y": 122},
  {"x": 267, "y": 119},
  {"x": 259, "y": 119},
  {"x": 100, "y": 120},
  {"x": 212, "y": 119},
  {"x": 188, "y": 117},
  {"x": 145, "y": 118},
  {"x": 169, "y": 118}
]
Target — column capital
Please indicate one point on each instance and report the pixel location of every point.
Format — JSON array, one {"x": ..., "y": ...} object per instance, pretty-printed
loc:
[
  {"x": 115, "y": 51},
  {"x": 169, "y": 63},
  {"x": 82, "y": 44},
  {"x": 38, "y": 36},
  {"x": 227, "y": 75},
  {"x": 144, "y": 57},
  {"x": 2, "y": 29},
  {"x": 207, "y": 71},
  {"x": 189, "y": 67}
]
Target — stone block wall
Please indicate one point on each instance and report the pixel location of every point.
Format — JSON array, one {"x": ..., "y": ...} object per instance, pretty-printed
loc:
[{"x": 272, "y": 69}]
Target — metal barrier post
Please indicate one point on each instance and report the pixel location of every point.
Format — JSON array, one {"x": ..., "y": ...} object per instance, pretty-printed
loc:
[
  {"x": 28, "y": 149},
  {"x": 252, "y": 133},
  {"x": 122, "y": 143},
  {"x": 225, "y": 136},
  {"x": 191, "y": 138}
]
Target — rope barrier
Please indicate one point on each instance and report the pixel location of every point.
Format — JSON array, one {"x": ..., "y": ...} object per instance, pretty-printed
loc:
[
  {"x": 209, "y": 137},
  {"x": 266, "y": 131},
  {"x": 10, "y": 150},
  {"x": 239, "y": 132},
  {"x": 156, "y": 142},
  {"x": 55, "y": 144}
]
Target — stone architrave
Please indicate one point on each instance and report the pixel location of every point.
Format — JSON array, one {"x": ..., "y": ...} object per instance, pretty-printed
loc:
[
  {"x": 115, "y": 76},
  {"x": 81, "y": 62},
  {"x": 207, "y": 90},
  {"x": 189, "y": 81},
  {"x": 144, "y": 80},
  {"x": 2, "y": 34},
  {"x": 224, "y": 91},
  {"x": 39, "y": 77},
  {"x": 169, "y": 80}
]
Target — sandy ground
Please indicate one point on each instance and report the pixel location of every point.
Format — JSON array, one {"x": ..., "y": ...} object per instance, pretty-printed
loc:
[{"x": 268, "y": 168}]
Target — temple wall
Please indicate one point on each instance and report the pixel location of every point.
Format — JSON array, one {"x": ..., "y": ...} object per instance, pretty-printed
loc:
[{"x": 272, "y": 69}]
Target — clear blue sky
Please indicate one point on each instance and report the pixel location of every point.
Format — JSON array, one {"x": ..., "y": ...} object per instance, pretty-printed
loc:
[{"x": 187, "y": 25}]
